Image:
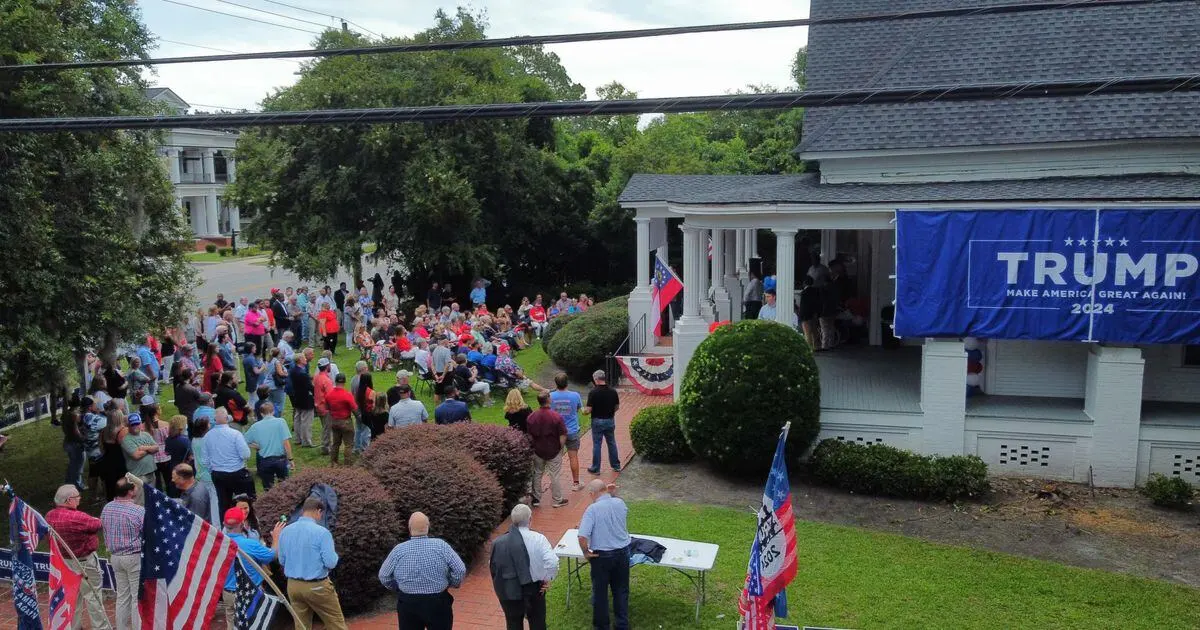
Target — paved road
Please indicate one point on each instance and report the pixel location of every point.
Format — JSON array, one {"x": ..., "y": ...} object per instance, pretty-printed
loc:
[{"x": 239, "y": 278}]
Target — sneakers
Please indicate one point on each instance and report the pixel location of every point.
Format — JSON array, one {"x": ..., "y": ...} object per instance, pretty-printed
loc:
[
  {"x": 616, "y": 469},
  {"x": 535, "y": 503},
  {"x": 559, "y": 503},
  {"x": 577, "y": 486},
  {"x": 594, "y": 471}
]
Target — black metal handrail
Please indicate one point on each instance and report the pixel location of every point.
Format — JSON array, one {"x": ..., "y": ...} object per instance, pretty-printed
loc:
[{"x": 635, "y": 339}]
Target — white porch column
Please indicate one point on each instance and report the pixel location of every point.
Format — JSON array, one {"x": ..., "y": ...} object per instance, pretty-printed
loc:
[
  {"x": 943, "y": 397},
  {"x": 704, "y": 277},
  {"x": 741, "y": 253},
  {"x": 721, "y": 298},
  {"x": 173, "y": 164},
  {"x": 195, "y": 217},
  {"x": 209, "y": 175},
  {"x": 639, "y": 298},
  {"x": 235, "y": 218},
  {"x": 211, "y": 215},
  {"x": 691, "y": 328},
  {"x": 785, "y": 276},
  {"x": 1113, "y": 399},
  {"x": 828, "y": 245},
  {"x": 733, "y": 285},
  {"x": 230, "y": 168},
  {"x": 754, "y": 244}
]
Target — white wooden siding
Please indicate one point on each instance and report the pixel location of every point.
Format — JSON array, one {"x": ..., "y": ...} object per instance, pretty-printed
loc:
[
  {"x": 1166, "y": 380},
  {"x": 1054, "y": 369}
]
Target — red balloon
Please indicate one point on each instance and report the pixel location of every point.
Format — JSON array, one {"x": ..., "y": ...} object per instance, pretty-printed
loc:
[{"x": 974, "y": 367}]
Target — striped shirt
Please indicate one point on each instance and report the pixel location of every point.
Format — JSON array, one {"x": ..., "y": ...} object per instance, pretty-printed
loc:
[
  {"x": 122, "y": 519},
  {"x": 422, "y": 566}
]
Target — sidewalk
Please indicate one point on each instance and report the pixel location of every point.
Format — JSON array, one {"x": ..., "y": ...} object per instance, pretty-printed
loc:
[{"x": 475, "y": 604}]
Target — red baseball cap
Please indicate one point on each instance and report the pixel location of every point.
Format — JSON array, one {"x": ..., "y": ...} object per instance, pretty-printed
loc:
[{"x": 234, "y": 516}]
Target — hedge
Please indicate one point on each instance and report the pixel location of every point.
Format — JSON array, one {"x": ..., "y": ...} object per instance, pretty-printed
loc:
[
  {"x": 553, "y": 327},
  {"x": 366, "y": 528},
  {"x": 743, "y": 383},
  {"x": 657, "y": 437},
  {"x": 580, "y": 347},
  {"x": 462, "y": 499},
  {"x": 1169, "y": 492},
  {"x": 878, "y": 469}
]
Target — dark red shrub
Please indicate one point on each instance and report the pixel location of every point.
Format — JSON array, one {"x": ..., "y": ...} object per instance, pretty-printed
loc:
[
  {"x": 461, "y": 498},
  {"x": 365, "y": 531}
]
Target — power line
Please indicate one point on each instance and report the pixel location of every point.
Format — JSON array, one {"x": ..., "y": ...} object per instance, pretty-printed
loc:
[
  {"x": 240, "y": 17},
  {"x": 307, "y": 10},
  {"x": 441, "y": 113},
  {"x": 282, "y": 15},
  {"x": 236, "y": 109},
  {"x": 224, "y": 50},
  {"x": 530, "y": 40}
]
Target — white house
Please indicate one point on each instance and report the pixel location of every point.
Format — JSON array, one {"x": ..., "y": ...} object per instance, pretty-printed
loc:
[
  {"x": 201, "y": 164},
  {"x": 1112, "y": 413}
]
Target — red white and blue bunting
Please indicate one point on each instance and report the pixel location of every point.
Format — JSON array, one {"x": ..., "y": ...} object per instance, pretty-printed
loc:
[{"x": 654, "y": 376}]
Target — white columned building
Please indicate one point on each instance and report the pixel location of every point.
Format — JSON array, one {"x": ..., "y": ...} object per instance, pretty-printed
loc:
[
  {"x": 200, "y": 164},
  {"x": 1111, "y": 413}
]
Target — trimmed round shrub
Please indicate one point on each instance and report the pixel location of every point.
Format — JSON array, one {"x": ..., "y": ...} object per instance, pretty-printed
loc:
[
  {"x": 223, "y": 252},
  {"x": 462, "y": 499},
  {"x": 742, "y": 384},
  {"x": 657, "y": 436},
  {"x": 553, "y": 327},
  {"x": 878, "y": 469},
  {"x": 580, "y": 347},
  {"x": 210, "y": 248},
  {"x": 504, "y": 451},
  {"x": 365, "y": 531},
  {"x": 1169, "y": 492}
]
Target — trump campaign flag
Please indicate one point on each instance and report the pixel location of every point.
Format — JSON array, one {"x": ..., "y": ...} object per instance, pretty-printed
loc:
[
  {"x": 64, "y": 589},
  {"x": 664, "y": 289},
  {"x": 184, "y": 564},
  {"x": 25, "y": 530},
  {"x": 773, "y": 554}
]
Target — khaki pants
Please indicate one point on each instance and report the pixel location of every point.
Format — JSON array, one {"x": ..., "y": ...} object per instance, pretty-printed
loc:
[
  {"x": 316, "y": 597},
  {"x": 343, "y": 434},
  {"x": 89, "y": 597},
  {"x": 302, "y": 419},
  {"x": 326, "y": 434},
  {"x": 227, "y": 606},
  {"x": 128, "y": 571},
  {"x": 551, "y": 466}
]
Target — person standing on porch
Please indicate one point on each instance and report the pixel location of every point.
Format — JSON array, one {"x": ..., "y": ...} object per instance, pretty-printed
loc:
[
  {"x": 602, "y": 404},
  {"x": 752, "y": 300}
]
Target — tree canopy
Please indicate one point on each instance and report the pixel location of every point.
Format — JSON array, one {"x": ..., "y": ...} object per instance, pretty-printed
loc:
[
  {"x": 532, "y": 201},
  {"x": 92, "y": 236}
]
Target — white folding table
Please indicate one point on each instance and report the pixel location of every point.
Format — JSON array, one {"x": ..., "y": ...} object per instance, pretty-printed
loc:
[{"x": 690, "y": 558}]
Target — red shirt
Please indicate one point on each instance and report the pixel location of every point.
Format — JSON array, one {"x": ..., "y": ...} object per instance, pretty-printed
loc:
[
  {"x": 537, "y": 314},
  {"x": 78, "y": 530},
  {"x": 330, "y": 319},
  {"x": 403, "y": 343},
  {"x": 341, "y": 404},
  {"x": 545, "y": 427},
  {"x": 321, "y": 386},
  {"x": 422, "y": 332}
]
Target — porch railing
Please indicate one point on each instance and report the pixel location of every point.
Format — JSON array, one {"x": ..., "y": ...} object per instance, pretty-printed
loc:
[{"x": 635, "y": 339}]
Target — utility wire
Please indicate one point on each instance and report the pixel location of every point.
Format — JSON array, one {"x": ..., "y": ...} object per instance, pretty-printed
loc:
[
  {"x": 441, "y": 113},
  {"x": 192, "y": 6},
  {"x": 282, "y": 15},
  {"x": 530, "y": 40},
  {"x": 224, "y": 50},
  {"x": 307, "y": 10}
]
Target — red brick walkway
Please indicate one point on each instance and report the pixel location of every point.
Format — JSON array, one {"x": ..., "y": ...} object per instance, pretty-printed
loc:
[{"x": 475, "y": 604}]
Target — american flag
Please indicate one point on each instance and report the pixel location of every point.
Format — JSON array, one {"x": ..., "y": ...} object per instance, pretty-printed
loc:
[
  {"x": 25, "y": 529},
  {"x": 254, "y": 608},
  {"x": 184, "y": 564},
  {"x": 773, "y": 554},
  {"x": 64, "y": 589}
]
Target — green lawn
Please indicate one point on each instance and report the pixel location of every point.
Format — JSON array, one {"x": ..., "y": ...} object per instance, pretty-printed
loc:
[
  {"x": 212, "y": 257},
  {"x": 34, "y": 462},
  {"x": 853, "y": 578}
]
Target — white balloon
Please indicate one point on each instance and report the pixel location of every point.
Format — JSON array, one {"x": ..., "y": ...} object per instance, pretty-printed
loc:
[
  {"x": 971, "y": 343},
  {"x": 975, "y": 380}
]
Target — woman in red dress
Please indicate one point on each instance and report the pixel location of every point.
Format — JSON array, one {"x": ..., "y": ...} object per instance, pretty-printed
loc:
[{"x": 212, "y": 369}]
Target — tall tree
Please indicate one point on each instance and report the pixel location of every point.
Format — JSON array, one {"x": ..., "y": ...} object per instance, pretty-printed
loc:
[{"x": 93, "y": 233}]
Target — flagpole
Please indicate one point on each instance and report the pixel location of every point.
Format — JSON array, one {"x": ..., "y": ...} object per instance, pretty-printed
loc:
[
  {"x": 82, "y": 572},
  {"x": 267, "y": 578}
]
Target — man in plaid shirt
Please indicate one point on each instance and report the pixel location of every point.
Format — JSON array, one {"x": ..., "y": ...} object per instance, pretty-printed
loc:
[
  {"x": 420, "y": 570},
  {"x": 79, "y": 531},
  {"x": 122, "y": 519}
]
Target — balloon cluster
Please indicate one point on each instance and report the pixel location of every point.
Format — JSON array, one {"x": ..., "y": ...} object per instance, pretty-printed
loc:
[{"x": 974, "y": 347}]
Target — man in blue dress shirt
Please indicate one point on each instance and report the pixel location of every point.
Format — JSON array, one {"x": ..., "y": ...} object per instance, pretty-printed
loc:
[
  {"x": 604, "y": 539},
  {"x": 420, "y": 570},
  {"x": 225, "y": 454},
  {"x": 307, "y": 555}
]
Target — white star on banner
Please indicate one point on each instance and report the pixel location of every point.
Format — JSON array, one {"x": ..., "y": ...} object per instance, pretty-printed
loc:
[
  {"x": 1070, "y": 241},
  {"x": 1083, "y": 242},
  {"x": 1124, "y": 242},
  {"x": 1109, "y": 241}
]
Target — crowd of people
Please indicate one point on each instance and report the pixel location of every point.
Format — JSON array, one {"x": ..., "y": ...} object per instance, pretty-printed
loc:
[
  {"x": 828, "y": 311},
  {"x": 231, "y": 371}
]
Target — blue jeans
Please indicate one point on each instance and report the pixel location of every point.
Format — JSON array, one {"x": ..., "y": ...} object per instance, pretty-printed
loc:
[
  {"x": 610, "y": 571},
  {"x": 603, "y": 429},
  {"x": 271, "y": 469},
  {"x": 276, "y": 398},
  {"x": 74, "y": 463},
  {"x": 362, "y": 436}
]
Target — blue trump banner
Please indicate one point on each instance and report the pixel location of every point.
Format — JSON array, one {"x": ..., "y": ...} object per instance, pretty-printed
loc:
[
  {"x": 41, "y": 569},
  {"x": 1123, "y": 276}
]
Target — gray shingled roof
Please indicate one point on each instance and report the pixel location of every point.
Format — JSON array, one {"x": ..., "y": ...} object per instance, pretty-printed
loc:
[
  {"x": 1076, "y": 43},
  {"x": 805, "y": 188}
]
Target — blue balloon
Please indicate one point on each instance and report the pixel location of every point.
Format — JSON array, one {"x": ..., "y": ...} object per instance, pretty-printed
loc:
[
  {"x": 768, "y": 283},
  {"x": 975, "y": 355}
]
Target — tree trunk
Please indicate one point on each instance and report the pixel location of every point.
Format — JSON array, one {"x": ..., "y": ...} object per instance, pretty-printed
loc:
[{"x": 356, "y": 271}]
